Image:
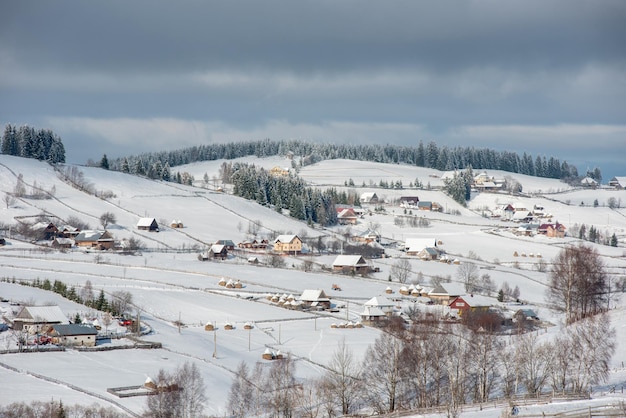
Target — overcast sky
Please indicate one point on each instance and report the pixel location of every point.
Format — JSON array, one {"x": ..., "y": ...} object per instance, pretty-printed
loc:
[{"x": 124, "y": 77}]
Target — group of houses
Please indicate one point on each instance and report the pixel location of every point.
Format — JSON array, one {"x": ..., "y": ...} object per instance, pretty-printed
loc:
[{"x": 50, "y": 324}]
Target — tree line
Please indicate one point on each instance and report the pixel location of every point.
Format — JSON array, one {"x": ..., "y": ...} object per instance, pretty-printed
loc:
[
  {"x": 27, "y": 142},
  {"x": 428, "y": 155}
]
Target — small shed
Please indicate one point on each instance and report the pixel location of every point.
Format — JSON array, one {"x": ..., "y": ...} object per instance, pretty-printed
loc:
[
  {"x": 351, "y": 263},
  {"x": 148, "y": 224}
]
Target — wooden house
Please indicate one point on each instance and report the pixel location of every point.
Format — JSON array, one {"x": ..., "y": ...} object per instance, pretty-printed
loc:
[
  {"x": 227, "y": 243},
  {"x": 385, "y": 305},
  {"x": 101, "y": 240},
  {"x": 313, "y": 298},
  {"x": 369, "y": 197},
  {"x": 555, "y": 230},
  {"x": 288, "y": 244},
  {"x": 68, "y": 231},
  {"x": 148, "y": 224},
  {"x": 409, "y": 201},
  {"x": 73, "y": 334},
  {"x": 367, "y": 236},
  {"x": 473, "y": 303},
  {"x": 62, "y": 243},
  {"x": 46, "y": 230},
  {"x": 36, "y": 318},
  {"x": 351, "y": 263},
  {"x": 217, "y": 252},
  {"x": 444, "y": 293},
  {"x": 346, "y": 217},
  {"x": 372, "y": 315},
  {"x": 618, "y": 182}
]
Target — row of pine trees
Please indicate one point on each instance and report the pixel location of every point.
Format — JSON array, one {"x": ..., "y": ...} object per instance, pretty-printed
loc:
[{"x": 27, "y": 142}]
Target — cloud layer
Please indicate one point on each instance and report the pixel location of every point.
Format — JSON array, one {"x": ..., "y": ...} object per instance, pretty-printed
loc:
[{"x": 118, "y": 75}]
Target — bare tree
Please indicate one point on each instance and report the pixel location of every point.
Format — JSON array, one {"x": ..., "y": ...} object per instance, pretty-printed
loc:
[
  {"x": 9, "y": 200},
  {"x": 192, "y": 391},
  {"x": 165, "y": 403},
  {"x": 535, "y": 361},
  {"x": 578, "y": 282},
  {"x": 86, "y": 293},
  {"x": 107, "y": 218},
  {"x": 342, "y": 378},
  {"x": 382, "y": 369},
  {"x": 468, "y": 274},
  {"x": 281, "y": 390},
  {"x": 400, "y": 270},
  {"x": 121, "y": 301},
  {"x": 241, "y": 393}
]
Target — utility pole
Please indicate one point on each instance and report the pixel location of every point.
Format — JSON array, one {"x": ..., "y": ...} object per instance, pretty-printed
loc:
[
  {"x": 214, "y": 342},
  {"x": 178, "y": 322}
]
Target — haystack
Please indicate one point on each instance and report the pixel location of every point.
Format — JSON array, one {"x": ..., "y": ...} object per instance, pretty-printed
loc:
[
  {"x": 209, "y": 327},
  {"x": 247, "y": 325},
  {"x": 228, "y": 326},
  {"x": 267, "y": 354}
]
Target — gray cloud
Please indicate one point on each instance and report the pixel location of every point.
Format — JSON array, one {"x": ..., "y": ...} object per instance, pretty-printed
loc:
[{"x": 324, "y": 69}]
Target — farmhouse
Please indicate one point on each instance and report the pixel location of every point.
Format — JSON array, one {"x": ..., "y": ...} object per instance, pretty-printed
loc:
[
  {"x": 279, "y": 171},
  {"x": 369, "y": 197},
  {"x": 36, "y": 318},
  {"x": 148, "y": 224},
  {"x": 382, "y": 303},
  {"x": 473, "y": 303},
  {"x": 68, "y": 231},
  {"x": 372, "y": 315},
  {"x": 618, "y": 182},
  {"x": 62, "y": 243},
  {"x": 73, "y": 334},
  {"x": 589, "y": 182},
  {"x": 217, "y": 252},
  {"x": 409, "y": 201},
  {"x": 288, "y": 244},
  {"x": 351, "y": 263},
  {"x": 229, "y": 244},
  {"x": 314, "y": 298},
  {"x": 444, "y": 293},
  {"x": 346, "y": 216},
  {"x": 101, "y": 240},
  {"x": 254, "y": 244},
  {"x": 46, "y": 230},
  {"x": 367, "y": 236},
  {"x": 555, "y": 230}
]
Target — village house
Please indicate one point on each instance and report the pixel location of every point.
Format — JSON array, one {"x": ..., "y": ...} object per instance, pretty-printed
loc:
[
  {"x": 351, "y": 263},
  {"x": 444, "y": 293},
  {"x": 367, "y": 236},
  {"x": 217, "y": 251},
  {"x": 315, "y": 298},
  {"x": 288, "y": 244},
  {"x": 425, "y": 205},
  {"x": 346, "y": 217},
  {"x": 409, "y": 201},
  {"x": 472, "y": 303},
  {"x": 373, "y": 315},
  {"x": 504, "y": 211},
  {"x": 424, "y": 248},
  {"x": 279, "y": 171},
  {"x": 148, "y": 224},
  {"x": 254, "y": 244},
  {"x": 589, "y": 183},
  {"x": 68, "y": 231},
  {"x": 384, "y": 304},
  {"x": 555, "y": 230},
  {"x": 45, "y": 230},
  {"x": 37, "y": 318},
  {"x": 618, "y": 182},
  {"x": 229, "y": 244},
  {"x": 65, "y": 243},
  {"x": 369, "y": 197},
  {"x": 101, "y": 240},
  {"x": 73, "y": 335}
]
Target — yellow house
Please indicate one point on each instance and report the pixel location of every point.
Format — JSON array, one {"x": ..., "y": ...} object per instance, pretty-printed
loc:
[
  {"x": 279, "y": 171},
  {"x": 288, "y": 244}
]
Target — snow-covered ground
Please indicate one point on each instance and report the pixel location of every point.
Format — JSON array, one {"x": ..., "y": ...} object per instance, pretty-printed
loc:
[{"x": 168, "y": 283}]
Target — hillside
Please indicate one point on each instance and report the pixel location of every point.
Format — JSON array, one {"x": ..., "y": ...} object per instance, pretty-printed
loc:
[{"x": 168, "y": 283}]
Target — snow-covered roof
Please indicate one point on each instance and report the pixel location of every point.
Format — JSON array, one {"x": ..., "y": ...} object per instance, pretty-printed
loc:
[
  {"x": 349, "y": 260},
  {"x": 379, "y": 301},
  {"x": 285, "y": 238},
  {"x": 477, "y": 300},
  {"x": 145, "y": 221},
  {"x": 90, "y": 235},
  {"x": 372, "y": 311},
  {"x": 418, "y": 244},
  {"x": 314, "y": 295},
  {"x": 449, "y": 289},
  {"x": 49, "y": 314}
]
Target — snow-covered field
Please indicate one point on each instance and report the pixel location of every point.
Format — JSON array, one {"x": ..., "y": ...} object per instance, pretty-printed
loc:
[{"x": 168, "y": 283}]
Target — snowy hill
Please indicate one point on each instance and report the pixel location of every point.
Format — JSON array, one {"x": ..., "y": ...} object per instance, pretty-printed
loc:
[{"x": 168, "y": 283}]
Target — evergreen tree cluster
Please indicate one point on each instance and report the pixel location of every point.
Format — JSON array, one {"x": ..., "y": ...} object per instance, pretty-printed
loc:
[
  {"x": 288, "y": 192},
  {"x": 42, "y": 144},
  {"x": 430, "y": 155}
]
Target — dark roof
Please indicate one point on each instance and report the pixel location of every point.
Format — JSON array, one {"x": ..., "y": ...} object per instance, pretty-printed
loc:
[{"x": 74, "y": 329}]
